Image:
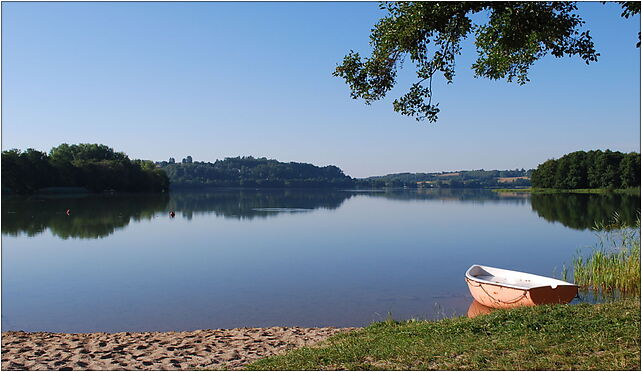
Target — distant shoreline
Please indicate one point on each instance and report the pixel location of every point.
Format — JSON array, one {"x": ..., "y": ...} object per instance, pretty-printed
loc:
[{"x": 631, "y": 191}]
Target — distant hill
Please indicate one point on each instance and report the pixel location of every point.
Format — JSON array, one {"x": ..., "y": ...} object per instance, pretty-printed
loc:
[
  {"x": 459, "y": 179},
  {"x": 248, "y": 171}
]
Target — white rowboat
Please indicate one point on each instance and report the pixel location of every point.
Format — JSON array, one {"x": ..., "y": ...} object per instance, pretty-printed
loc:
[{"x": 501, "y": 289}]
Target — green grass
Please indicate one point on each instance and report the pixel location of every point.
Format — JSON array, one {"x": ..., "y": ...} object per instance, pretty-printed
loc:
[
  {"x": 630, "y": 191},
  {"x": 512, "y": 190},
  {"x": 614, "y": 264},
  {"x": 552, "y": 337}
]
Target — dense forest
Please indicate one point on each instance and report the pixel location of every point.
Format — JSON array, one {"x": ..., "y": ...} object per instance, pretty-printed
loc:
[
  {"x": 96, "y": 168},
  {"x": 90, "y": 167},
  {"x": 589, "y": 170},
  {"x": 459, "y": 179},
  {"x": 248, "y": 171}
]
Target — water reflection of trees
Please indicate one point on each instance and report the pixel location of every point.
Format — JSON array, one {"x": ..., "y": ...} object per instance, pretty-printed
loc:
[
  {"x": 97, "y": 216},
  {"x": 91, "y": 216},
  {"x": 248, "y": 204},
  {"x": 583, "y": 211},
  {"x": 577, "y": 211},
  {"x": 461, "y": 195}
]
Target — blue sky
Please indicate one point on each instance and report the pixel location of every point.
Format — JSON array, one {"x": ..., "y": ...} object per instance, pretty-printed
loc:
[{"x": 212, "y": 80}]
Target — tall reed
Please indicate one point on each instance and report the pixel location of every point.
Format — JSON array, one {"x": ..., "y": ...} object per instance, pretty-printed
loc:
[{"x": 614, "y": 263}]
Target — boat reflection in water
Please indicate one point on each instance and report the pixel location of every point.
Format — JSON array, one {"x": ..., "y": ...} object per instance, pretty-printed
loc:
[{"x": 476, "y": 309}]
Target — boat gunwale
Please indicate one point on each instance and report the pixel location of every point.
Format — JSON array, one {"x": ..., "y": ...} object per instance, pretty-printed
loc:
[{"x": 514, "y": 286}]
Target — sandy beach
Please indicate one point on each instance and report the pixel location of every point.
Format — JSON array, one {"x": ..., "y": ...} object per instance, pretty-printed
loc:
[{"x": 203, "y": 349}]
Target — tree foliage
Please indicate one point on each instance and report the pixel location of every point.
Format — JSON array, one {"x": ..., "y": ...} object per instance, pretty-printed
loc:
[
  {"x": 429, "y": 34},
  {"x": 460, "y": 179},
  {"x": 248, "y": 171},
  {"x": 592, "y": 169},
  {"x": 91, "y": 166}
]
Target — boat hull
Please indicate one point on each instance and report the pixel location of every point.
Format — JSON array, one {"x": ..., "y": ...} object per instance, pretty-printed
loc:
[{"x": 502, "y": 297}]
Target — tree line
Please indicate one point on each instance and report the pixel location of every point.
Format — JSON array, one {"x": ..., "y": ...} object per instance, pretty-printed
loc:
[
  {"x": 90, "y": 167},
  {"x": 589, "y": 170},
  {"x": 97, "y": 168},
  {"x": 459, "y": 179},
  {"x": 248, "y": 171}
]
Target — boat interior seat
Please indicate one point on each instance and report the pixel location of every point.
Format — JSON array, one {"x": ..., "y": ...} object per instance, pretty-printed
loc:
[{"x": 505, "y": 280}]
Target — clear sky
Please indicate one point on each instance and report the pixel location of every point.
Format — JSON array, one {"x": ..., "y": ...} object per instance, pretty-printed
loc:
[{"x": 213, "y": 80}]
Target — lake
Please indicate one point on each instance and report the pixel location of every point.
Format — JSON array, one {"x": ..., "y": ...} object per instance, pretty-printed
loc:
[{"x": 259, "y": 258}]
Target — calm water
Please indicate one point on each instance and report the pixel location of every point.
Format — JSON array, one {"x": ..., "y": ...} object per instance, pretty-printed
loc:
[{"x": 266, "y": 258}]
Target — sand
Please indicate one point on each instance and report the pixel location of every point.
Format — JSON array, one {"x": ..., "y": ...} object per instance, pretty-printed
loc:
[{"x": 203, "y": 349}]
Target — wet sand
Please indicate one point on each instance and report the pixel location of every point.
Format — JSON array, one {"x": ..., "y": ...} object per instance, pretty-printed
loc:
[{"x": 203, "y": 349}]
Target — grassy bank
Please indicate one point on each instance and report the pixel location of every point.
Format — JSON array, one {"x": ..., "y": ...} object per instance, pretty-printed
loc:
[
  {"x": 630, "y": 191},
  {"x": 586, "y": 337},
  {"x": 614, "y": 264}
]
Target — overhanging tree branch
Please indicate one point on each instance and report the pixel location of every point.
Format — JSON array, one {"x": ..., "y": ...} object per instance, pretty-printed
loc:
[{"x": 514, "y": 36}]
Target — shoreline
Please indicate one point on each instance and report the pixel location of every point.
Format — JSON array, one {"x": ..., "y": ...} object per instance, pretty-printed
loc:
[
  {"x": 531, "y": 190},
  {"x": 200, "y": 349}
]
